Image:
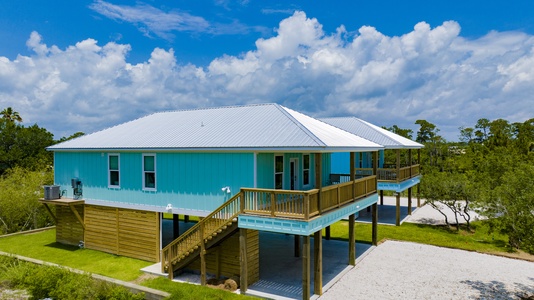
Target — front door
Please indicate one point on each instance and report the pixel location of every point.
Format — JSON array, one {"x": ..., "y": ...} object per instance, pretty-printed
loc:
[{"x": 293, "y": 174}]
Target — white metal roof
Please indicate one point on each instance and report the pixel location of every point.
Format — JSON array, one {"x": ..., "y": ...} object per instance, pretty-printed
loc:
[
  {"x": 373, "y": 133},
  {"x": 260, "y": 127}
]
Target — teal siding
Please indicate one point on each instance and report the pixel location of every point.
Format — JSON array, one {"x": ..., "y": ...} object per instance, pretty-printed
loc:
[
  {"x": 185, "y": 180},
  {"x": 265, "y": 169}
]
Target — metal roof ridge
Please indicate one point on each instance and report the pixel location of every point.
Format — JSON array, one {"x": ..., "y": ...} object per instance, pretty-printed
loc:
[
  {"x": 370, "y": 125},
  {"x": 301, "y": 126}
]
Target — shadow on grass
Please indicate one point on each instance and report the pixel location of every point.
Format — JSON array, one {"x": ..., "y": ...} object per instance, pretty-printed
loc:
[
  {"x": 62, "y": 246},
  {"x": 499, "y": 290}
]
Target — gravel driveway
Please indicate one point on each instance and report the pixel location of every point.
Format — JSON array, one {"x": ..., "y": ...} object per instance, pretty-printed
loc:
[{"x": 402, "y": 270}]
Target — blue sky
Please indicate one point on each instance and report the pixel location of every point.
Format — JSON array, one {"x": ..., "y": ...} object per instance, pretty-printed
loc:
[{"x": 99, "y": 63}]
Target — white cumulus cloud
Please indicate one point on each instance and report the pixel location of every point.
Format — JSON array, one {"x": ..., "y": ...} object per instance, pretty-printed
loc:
[{"x": 428, "y": 73}]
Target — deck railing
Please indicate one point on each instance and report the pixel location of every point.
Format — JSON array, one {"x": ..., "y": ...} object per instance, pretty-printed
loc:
[
  {"x": 385, "y": 174},
  {"x": 305, "y": 204}
]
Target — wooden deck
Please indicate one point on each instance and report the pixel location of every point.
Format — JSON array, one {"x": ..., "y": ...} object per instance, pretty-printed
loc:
[{"x": 383, "y": 174}]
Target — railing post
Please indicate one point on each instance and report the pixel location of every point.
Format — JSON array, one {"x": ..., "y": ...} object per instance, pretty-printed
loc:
[
  {"x": 306, "y": 206},
  {"x": 273, "y": 204},
  {"x": 242, "y": 201}
]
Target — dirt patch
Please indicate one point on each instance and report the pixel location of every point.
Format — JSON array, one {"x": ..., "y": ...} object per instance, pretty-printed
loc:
[{"x": 143, "y": 277}]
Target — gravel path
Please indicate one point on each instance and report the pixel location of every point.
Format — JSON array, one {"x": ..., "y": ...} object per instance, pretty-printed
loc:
[{"x": 402, "y": 270}]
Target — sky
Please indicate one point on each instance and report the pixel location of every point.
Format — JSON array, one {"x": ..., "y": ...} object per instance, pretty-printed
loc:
[{"x": 72, "y": 66}]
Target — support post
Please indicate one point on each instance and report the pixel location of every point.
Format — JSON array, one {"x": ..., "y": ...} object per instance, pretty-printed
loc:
[
  {"x": 352, "y": 242},
  {"x": 306, "y": 282},
  {"x": 243, "y": 278},
  {"x": 375, "y": 225},
  {"x": 397, "y": 214},
  {"x": 418, "y": 195},
  {"x": 297, "y": 246},
  {"x": 175, "y": 226},
  {"x": 318, "y": 262},
  {"x": 327, "y": 233},
  {"x": 410, "y": 161},
  {"x": 202, "y": 256},
  {"x": 318, "y": 178},
  {"x": 398, "y": 165},
  {"x": 375, "y": 164},
  {"x": 410, "y": 201},
  {"x": 381, "y": 197},
  {"x": 186, "y": 218}
]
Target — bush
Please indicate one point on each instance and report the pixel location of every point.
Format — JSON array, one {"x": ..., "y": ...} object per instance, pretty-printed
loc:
[{"x": 58, "y": 283}]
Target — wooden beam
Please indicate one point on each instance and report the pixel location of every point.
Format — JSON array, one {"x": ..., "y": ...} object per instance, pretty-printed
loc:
[
  {"x": 381, "y": 197},
  {"x": 318, "y": 178},
  {"x": 375, "y": 225},
  {"x": 77, "y": 216},
  {"x": 352, "y": 242},
  {"x": 418, "y": 195},
  {"x": 50, "y": 212},
  {"x": 352, "y": 166},
  {"x": 327, "y": 232},
  {"x": 397, "y": 214},
  {"x": 186, "y": 218},
  {"x": 175, "y": 226},
  {"x": 375, "y": 163},
  {"x": 410, "y": 161},
  {"x": 202, "y": 256},
  {"x": 306, "y": 282},
  {"x": 410, "y": 201},
  {"x": 398, "y": 165},
  {"x": 243, "y": 278},
  {"x": 296, "y": 246},
  {"x": 318, "y": 262}
]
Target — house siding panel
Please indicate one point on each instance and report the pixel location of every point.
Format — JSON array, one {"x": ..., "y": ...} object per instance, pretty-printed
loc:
[{"x": 185, "y": 180}]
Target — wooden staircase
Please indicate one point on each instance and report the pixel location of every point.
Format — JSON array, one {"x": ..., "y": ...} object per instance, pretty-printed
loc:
[{"x": 208, "y": 232}]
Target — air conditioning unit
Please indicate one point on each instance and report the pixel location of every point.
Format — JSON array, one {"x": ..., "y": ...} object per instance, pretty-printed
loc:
[{"x": 51, "y": 192}]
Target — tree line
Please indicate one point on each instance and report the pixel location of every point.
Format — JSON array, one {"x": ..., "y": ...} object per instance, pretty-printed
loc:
[{"x": 490, "y": 170}]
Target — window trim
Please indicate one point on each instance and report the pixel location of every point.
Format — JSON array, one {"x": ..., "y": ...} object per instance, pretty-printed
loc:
[
  {"x": 118, "y": 170},
  {"x": 143, "y": 172},
  {"x": 304, "y": 169},
  {"x": 276, "y": 173}
]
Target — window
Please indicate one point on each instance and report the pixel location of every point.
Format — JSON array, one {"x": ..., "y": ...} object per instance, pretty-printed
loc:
[
  {"x": 149, "y": 171},
  {"x": 278, "y": 172},
  {"x": 305, "y": 169},
  {"x": 113, "y": 170}
]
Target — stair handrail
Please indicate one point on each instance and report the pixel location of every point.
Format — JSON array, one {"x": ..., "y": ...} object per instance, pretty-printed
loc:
[{"x": 192, "y": 237}]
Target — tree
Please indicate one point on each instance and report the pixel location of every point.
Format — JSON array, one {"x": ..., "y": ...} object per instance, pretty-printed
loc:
[
  {"x": 451, "y": 190},
  {"x": 500, "y": 133},
  {"x": 11, "y": 115},
  {"x": 72, "y": 136},
  {"x": 510, "y": 207},
  {"x": 482, "y": 127},
  {"x": 24, "y": 146},
  {"x": 467, "y": 134},
  {"x": 407, "y": 133},
  {"x": 427, "y": 131},
  {"x": 20, "y": 190}
]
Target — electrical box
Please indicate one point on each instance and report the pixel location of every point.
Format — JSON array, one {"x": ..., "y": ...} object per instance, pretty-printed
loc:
[{"x": 51, "y": 192}]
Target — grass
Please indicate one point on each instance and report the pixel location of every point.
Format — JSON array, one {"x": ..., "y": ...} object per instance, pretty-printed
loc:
[
  {"x": 41, "y": 245},
  {"x": 189, "y": 291},
  {"x": 478, "y": 240}
]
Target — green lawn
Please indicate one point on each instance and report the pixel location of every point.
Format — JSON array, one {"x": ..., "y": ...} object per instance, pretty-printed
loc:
[
  {"x": 42, "y": 246},
  {"x": 479, "y": 240}
]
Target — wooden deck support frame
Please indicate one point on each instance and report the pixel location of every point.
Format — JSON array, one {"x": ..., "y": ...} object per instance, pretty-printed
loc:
[
  {"x": 374, "y": 235},
  {"x": 397, "y": 212},
  {"x": 243, "y": 279},
  {"x": 202, "y": 257},
  {"x": 318, "y": 262},
  {"x": 175, "y": 226},
  {"x": 352, "y": 242},
  {"x": 409, "y": 201},
  {"x": 306, "y": 282}
]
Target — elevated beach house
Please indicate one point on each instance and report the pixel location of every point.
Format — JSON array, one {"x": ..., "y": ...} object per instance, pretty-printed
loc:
[
  {"x": 240, "y": 169},
  {"x": 398, "y": 169}
]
